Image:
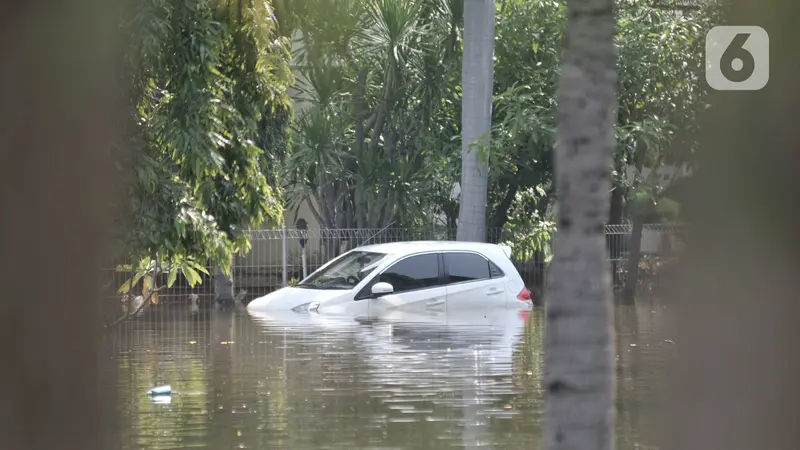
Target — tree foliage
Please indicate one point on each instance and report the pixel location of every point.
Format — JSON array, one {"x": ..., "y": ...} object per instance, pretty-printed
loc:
[
  {"x": 658, "y": 121},
  {"x": 377, "y": 134},
  {"x": 208, "y": 110},
  {"x": 377, "y": 95},
  {"x": 527, "y": 52},
  {"x": 661, "y": 93}
]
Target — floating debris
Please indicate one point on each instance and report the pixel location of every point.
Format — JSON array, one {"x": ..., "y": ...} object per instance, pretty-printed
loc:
[{"x": 160, "y": 390}]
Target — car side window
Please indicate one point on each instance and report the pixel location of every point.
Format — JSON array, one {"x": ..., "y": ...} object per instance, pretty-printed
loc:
[
  {"x": 463, "y": 267},
  {"x": 416, "y": 272}
]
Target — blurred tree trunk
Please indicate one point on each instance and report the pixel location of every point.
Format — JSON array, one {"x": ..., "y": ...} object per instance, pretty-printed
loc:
[
  {"x": 615, "y": 218},
  {"x": 579, "y": 374},
  {"x": 632, "y": 266},
  {"x": 56, "y": 121},
  {"x": 477, "y": 76},
  {"x": 737, "y": 381},
  {"x": 223, "y": 287}
]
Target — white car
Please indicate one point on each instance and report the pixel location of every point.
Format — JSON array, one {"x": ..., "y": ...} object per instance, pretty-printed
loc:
[{"x": 422, "y": 277}]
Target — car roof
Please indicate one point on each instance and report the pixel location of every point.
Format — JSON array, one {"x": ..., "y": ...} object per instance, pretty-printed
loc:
[{"x": 409, "y": 247}]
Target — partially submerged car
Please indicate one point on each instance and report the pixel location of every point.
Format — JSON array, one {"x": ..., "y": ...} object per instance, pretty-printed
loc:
[{"x": 419, "y": 276}]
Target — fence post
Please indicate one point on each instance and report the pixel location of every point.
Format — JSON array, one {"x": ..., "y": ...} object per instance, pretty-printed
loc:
[{"x": 285, "y": 256}]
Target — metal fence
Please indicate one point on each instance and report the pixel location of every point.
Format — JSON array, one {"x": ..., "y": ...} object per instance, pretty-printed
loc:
[{"x": 277, "y": 258}]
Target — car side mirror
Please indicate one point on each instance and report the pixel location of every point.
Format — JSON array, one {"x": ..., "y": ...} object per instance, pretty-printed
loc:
[{"x": 381, "y": 289}]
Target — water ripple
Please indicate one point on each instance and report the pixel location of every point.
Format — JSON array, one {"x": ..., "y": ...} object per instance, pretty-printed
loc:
[{"x": 243, "y": 382}]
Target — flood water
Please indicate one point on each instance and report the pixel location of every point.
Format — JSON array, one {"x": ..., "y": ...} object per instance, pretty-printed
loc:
[{"x": 403, "y": 383}]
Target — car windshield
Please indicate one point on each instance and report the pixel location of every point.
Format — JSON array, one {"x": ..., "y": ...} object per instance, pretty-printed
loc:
[{"x": 345, "y": 272}]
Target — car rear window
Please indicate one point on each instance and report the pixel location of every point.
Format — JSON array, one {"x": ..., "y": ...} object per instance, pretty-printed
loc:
[{"x": 495, "y": 271}]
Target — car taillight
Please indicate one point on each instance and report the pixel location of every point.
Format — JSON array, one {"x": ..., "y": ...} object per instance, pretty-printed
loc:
[{"x": 524, "y": 295}]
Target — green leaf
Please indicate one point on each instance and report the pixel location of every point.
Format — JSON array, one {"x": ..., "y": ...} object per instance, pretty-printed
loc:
[
  {"x": 199, "y": 267},
  {"x": 192, "y": 277},
  {"x": 173, "y": 275},
  {"x": 130, "y": 283}
]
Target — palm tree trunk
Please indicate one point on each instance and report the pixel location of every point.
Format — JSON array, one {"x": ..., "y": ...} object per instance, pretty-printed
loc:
[
  {"x": 579, "y": 341},
  {"x": 477, "y": 76}
]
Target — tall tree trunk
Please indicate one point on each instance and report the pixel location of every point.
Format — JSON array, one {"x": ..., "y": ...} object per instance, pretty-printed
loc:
[
  {"x": 634, "y": 255},
  {"x": 579, "y": 378},
  {"x": 615, "y": 218},
  {"x": 617, "y": 198},
  {"x": 450, "y": 210},
  {"x": 223, "y": 287},
  {"x": 477, "y": 76},
  {"x": 500, "y": 214}
]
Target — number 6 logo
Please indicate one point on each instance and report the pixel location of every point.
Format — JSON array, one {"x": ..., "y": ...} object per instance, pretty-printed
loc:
[{"x": 737, "y": 58}]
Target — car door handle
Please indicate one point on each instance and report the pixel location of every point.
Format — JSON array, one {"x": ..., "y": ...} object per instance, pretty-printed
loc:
[
  {"x": 494, "y": 291},
  {"x": 433, "y": 303}
]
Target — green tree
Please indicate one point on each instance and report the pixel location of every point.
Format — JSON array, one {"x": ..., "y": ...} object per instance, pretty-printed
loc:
[
  {"x": 378, "y": 94},
  {"x": 654, "y": 104},
  {"x": 657, "y": 127},
  {"x": 377, "y": 138},
  {"x": 343, "y": 92},
  {"x": 527, "y": 53},
  {"x": 207, "y": 83}
]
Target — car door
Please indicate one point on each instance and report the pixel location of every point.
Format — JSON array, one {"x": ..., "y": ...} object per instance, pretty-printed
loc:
[
  {"x": 418, "y": 286},
  {"x": 473, "y": 282}
]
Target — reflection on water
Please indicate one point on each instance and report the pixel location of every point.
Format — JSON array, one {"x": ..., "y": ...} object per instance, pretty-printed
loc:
[{"x": 405, "y": 382}]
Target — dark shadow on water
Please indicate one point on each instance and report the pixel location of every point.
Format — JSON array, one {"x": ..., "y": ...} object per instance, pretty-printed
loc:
[{"x": 452, "y": 382}]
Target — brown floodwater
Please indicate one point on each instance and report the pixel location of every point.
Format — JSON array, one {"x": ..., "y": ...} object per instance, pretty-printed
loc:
[{"x": 406, "y": 383}]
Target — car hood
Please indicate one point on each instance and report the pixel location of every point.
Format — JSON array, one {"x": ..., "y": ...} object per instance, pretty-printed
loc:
[{"x": 285, "y": 299}]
